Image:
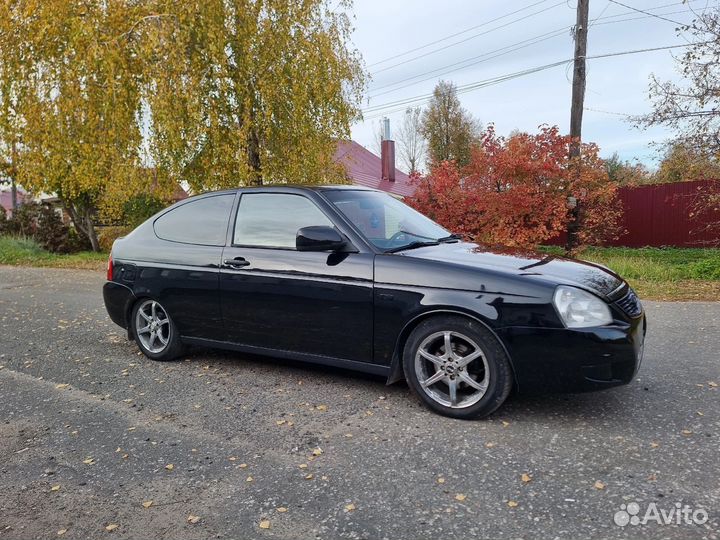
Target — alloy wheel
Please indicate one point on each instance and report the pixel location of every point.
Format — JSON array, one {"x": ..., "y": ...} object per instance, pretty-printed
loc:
[
  {"x": 452, "y": 369},
  {"x": 152, "y": 326}
]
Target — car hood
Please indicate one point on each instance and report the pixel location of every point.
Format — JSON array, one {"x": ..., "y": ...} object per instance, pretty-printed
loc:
[{"x": 524, "y": 263}]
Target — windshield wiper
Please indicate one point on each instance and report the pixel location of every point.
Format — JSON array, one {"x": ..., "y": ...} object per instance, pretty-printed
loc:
[
  {"x": 450, "y": 238},
  {"x": 411, "y": 245}
]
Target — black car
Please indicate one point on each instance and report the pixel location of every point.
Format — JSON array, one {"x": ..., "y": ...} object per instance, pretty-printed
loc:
[{"x": 352, "y": 277}]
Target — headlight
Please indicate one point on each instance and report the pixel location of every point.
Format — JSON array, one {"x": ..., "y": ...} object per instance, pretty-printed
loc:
[{"x": 580, "y": 309}]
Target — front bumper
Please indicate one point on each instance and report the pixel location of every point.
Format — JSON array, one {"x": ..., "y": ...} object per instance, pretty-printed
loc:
[{"x": 575, "y": 360}]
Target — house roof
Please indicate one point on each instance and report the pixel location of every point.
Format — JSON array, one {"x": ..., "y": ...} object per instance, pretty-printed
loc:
[
  {"x": 364, "y": 169},
  {"x": 6, "y": 198}
]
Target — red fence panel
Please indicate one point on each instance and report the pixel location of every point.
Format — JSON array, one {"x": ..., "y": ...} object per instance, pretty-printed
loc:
[{"x": 660, "y": 215}]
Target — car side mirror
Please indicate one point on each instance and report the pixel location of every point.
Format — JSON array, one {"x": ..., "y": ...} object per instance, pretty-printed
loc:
[{"x": 319, "y": 238}]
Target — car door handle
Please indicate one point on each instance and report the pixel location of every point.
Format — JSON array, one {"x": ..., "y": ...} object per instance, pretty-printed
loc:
[{"x": 237, "y": 262}]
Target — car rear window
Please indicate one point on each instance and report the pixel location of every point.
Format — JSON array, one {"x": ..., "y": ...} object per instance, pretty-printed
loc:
[{"x": 203, "y": 221}]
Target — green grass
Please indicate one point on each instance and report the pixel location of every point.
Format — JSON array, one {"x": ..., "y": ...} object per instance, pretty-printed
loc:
[
  {"x": 22, "y": 251},
  {"x": 661, "y": 273}
]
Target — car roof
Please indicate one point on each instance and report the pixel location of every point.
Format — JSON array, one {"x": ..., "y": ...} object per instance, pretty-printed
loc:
[
  {"x": 286, "y": 187},
  {"x": 309, "y": 187}
]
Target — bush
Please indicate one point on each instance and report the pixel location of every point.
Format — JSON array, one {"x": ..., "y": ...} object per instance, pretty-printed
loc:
[
  {"x": 42, "y": 224},
  {"x": 108, "y": 235}
]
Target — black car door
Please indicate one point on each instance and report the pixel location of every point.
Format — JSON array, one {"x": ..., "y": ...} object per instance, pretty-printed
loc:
[{"x": 273, "y": 296}]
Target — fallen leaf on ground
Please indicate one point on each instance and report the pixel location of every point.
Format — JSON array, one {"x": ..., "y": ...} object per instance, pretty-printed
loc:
[
  {"x": 147, "y": 504},
  {"x": 88, "y": 461},
  {"x": 281, "y": 509},
  {"x": 321, "y": 407},
  {"x": 441, "y": 480},
  {"x": 460, "y": 497},
  {"x": 686, "y": 432},
  {"x": 525, "y": 477},
  {"x": 61, "y": 532},
  {"x": 654, "y": 444},
  {"x": 265, "y": 524},
  {"x": 55, "y": 488},
  {"x": 279, "y": 422},
  {"x": 512, "y": 504},
  {"x": 318, "y": 451},
  {"x": 169, "y": 466},
  {"x": 309, "y": 477},
  {"x": 713, "y": 384},
  {"x": 489, "y": 444},
  {"x": 249, "y": 479},
  {"x": 505, "y": 424},
  {"x": 349, "y": 507},
  {"x": 232, "y": 458},
  {"x": 112, "y": 527},
  {"x": 193, "y": 519},
  {"x": 303, "y": 465},
  {"x": 61, "y": 386},
  {"x": 242, "y": 465},
  {"x": 598, "y": 485}
]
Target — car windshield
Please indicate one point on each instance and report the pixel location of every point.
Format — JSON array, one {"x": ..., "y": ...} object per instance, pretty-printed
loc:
[{"x": 386, "y": 222}]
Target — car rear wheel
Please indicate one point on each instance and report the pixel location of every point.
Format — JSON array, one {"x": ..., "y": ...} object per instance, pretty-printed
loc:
[
  {"x": 457, "y": 367},
  {"x": 154, "y": 330}
]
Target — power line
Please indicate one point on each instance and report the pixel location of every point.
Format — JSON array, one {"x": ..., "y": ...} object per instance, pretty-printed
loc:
[
  {"x": 645, "y": 12},
  {"x": 474, "y": 60},
  {"x": 468, "y": 62},
  {"x": 512, "y": 48},
  {"x": 464, "y": 88},
  {"x": 412, "y": 59},
  {"x": 440, "y": 40},
  {"x": 609, "y": 112},
  {"x": 402, "y": 104}
]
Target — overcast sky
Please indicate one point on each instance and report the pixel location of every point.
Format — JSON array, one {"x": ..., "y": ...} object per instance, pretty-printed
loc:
[{"x": 388, "y": 28}]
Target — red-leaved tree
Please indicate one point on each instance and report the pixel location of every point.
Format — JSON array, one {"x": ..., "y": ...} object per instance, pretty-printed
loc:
[{"x": 518, "y": 191}]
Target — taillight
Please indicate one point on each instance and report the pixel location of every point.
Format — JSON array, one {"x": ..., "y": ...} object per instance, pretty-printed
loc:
[{"x": 110, "y": 269}]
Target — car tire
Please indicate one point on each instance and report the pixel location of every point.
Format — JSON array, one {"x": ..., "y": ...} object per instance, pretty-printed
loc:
[
  {"x": 154, "y": 331},
  {"x": 477, "y": 367}
]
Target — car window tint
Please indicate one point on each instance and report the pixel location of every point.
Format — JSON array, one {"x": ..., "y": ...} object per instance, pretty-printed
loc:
[
  {"x": 273, "y": 219},
  {"x": 203, "y": 221}
]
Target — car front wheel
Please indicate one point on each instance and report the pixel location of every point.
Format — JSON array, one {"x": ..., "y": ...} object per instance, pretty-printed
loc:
[
  {"x": 457, "y": 367},
  {"x": 154, "y": 331}
]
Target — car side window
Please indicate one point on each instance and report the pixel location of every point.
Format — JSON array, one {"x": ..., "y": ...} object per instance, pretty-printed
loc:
[
  {"x": 203, "y": 221},
  {"x": 273, "y": 219}
]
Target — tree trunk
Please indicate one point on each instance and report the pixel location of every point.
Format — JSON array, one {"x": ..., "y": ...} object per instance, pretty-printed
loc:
[
  {"x": 13, "y": 194},
  {"x": 13, "y": 176},
  {"x": 82, "y": 220},
  {"x": 254, "y": 158},
  {"x": 91, "y": 234}
]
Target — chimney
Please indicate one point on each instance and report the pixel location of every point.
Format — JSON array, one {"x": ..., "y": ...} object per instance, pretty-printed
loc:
[{"x": 387, "y": 153}]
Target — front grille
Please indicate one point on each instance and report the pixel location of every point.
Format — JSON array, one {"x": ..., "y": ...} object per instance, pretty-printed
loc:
[{"x": 630, "y": 304}]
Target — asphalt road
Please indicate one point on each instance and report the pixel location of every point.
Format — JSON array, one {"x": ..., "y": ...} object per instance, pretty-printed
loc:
[{"x": 228, "y": 440}]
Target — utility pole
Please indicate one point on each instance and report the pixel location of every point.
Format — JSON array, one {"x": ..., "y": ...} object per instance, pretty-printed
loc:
[
  {"x": 578, "y": 86},
  {"x": 576, "y": 115}
]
